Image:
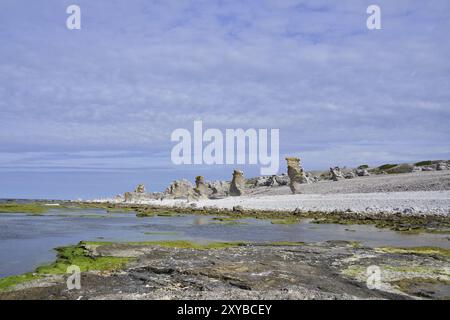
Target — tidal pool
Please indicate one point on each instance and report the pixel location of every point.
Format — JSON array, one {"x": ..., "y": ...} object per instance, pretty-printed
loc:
[{"x": 28, "y": 241}]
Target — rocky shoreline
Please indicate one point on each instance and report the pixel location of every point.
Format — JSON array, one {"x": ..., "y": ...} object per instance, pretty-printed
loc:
[
  {"x": 420, "y": 189},
  {"x": 179, "y": 270},
  {"x": 398, "y": 197}
]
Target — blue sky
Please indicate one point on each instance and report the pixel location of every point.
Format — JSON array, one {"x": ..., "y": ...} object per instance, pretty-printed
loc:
[{"x": 89, "y": 112}]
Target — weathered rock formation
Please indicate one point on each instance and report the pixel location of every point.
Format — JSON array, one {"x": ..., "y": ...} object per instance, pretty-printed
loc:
[
  {"x": 296, "y": 174},
  {"x": 140, "y": 189},
  {"x": 362, "y": 172},
  {"x": 127, "y": 196},
  {"x": 180, "y": 189},
  {"x": 441, "y": 166},
  {"x": 219, "y": 189},
  {"x": 336, "y": 174},
  {"x": 269, "y": 181},
  {"x": 350, "y": 175},
  {"x": 237, "y": 184},
  {"x": 201, "y": 189},
  {"x": 263, "y": 182},
  {"x": 139, "y": 194},
  {"x": 282, "y": 179}
]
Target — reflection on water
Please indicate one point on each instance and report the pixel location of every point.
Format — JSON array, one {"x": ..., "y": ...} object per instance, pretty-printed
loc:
[{"x": 27, "y": 241}]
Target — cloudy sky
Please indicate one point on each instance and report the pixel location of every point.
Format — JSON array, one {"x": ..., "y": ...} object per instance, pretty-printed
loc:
[{"x": 87, "y": 113}]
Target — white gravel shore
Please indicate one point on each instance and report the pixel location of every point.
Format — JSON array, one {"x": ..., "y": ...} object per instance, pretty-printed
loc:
[
  {"x": 419, "y": 202},
  {"x": 412, "y": 193}
]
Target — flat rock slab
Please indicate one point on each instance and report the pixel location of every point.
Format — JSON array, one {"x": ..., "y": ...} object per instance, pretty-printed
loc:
[{"x": 330, "y": 270}]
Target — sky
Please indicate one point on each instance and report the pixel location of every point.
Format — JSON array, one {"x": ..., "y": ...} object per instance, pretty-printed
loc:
[{"x": 89, "y": 113}]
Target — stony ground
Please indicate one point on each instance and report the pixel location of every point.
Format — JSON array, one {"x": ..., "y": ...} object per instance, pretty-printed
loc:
[
  {"x": 415, "y": 181},
  {"x": 330, "y": 270},
  {"x": 411, "y": 193}
]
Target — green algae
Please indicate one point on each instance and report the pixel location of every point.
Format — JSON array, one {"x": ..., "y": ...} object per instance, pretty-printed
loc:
[
  {"x": 12, "y": 281},
  {"x": 66, "y": 256},
  {"x": 79, "y": 256},
  {"x": 417, "y": 250},
  {"x": 161, "y": 233},
  {"x": 396, "y": 222},
  {"x": 432, "y": 288},
  {"x": 287, "y": 243},
  {"x": 183, "y": 244},
  {"x": 286, "y": 221},
  {"x": 31, "y": 208}
]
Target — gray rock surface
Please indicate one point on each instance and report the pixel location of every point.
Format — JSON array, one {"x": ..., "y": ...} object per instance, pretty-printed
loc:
[
  {"x": 237, "y": 184},
  {"x": 296, "y": 174},
  {"x": 441, "y": 166},
  {"x": 362, "y": 173},
  {"x": 201, "y": 188},
  {"x": 329, "y": 270},
  {"x": 336, "y": 174},
  {"x": 350, "y": 175},
  {"x": 140, "y": 189},
  {"x": 415, "y": 181},
  {"x": 282, "y": 179},
  {"x": 180, "y": 189}
]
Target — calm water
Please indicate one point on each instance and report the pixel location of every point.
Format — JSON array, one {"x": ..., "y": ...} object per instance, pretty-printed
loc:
[{"x": 28, "y": 241}]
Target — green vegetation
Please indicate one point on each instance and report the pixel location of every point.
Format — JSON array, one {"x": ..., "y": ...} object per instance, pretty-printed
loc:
[
  {"x": 167, "y": 214},
  {"x": 22, "y": 208},
  {"x": 286, "y": 243},
  {"x": 229, "y": 221},
  {"x": 400, "y": 223},
  {"x": 168, "y": 244},
  {"x": 387, "y": 166},
  {"x": 393, "y": 168},
  {"x": 71, "y": 255},
  {"x": 13, "y": 281},
  {"x": 403, "y": 168},
  {"x": 363, "y": 166},
  {"x": 189, "y": 245},
  {"x": 355, "y": 271},
  {"x": 359, "y": 271},
  {"x": 354, "y": 244},
  {"x": 108, "y": 207},
  {"x": 78, "y": 255},
  {"x": 120, "y": 210},
  {"x": 152, "y": 212},
  {"x": 161, "y": 233},
  {"x": 291, "y": 220},
  {"x": 417, "y": 250},
  {"x": 425, "y": 287},
  {"x": 403, "y": 224},
  {"x": 40, "y": 208},
  {"x": 225, "y": 219},
  {"x": 424, "y": 163}
]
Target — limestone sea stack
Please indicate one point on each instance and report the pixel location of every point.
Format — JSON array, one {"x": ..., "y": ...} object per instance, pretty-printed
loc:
[
  {"x": 180, "y": 189},
  {"x": 296, "y": 174},
  {"x": 140, "y": 188},
  {"x": 201, "y": 189},
  {"x": 336, "y": 174},
  {"x": 237, "y": 184}
]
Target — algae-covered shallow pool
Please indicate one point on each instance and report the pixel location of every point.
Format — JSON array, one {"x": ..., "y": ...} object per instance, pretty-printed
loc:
[{"x": 27, "y": 241}]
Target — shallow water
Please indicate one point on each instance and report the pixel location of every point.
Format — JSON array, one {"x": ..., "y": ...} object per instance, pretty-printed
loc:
[{"x": 28, "y": 241}]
